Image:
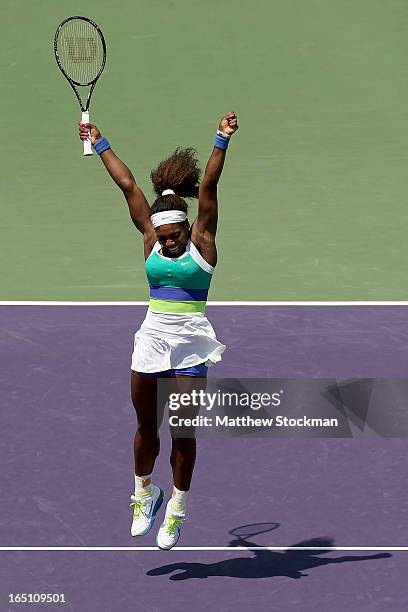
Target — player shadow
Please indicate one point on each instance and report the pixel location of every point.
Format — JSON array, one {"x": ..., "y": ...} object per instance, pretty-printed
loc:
[{"x": 263, "y": 563}]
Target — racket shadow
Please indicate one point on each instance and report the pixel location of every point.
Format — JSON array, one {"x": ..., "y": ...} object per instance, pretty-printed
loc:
[{"x": 263, "y": 563}]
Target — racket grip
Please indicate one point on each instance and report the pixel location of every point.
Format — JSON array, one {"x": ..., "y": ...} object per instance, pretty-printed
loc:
[{"x": 87, "y": 142}]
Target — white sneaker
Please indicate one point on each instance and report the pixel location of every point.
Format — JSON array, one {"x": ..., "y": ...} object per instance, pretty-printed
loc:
[
  {"x": 169, "y": 531},
  {"x": 144, "y": 511}
]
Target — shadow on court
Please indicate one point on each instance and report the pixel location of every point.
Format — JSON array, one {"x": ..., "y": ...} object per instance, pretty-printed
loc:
[{"x": 263, "y": 563}]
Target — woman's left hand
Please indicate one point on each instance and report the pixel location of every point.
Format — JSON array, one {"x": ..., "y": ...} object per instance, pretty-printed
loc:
[{"x": 229, "y": 124}]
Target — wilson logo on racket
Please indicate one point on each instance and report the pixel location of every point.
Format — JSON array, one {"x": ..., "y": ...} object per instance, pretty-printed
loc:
[{"x": 80, "y": 51}]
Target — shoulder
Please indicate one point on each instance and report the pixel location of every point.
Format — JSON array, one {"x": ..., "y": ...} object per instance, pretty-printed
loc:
[
  {"x": 205, "y": 245},
  {"x": 199, "y": 236},
  {"x": 149, "y": 241}
]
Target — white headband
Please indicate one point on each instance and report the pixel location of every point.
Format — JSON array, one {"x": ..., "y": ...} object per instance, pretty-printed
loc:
[
  {"x": 168, "y": 192},
  {"x": 168, "y": 216}
]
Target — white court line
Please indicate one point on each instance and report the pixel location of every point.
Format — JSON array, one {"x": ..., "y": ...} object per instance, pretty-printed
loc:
[
  {"x": 215, "y": 303},
  {"x": 200, "y": 548}
]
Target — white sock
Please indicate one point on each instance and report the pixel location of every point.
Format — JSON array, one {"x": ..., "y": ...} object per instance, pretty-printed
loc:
[
  {"x": 178, "y": 500},
  {"x": 143, "y": 485}
]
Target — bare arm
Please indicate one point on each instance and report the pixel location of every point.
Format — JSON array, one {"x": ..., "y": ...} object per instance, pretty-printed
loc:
[
  {"x": 206, "y": 223},
  {"x": 120, "y": 173}
]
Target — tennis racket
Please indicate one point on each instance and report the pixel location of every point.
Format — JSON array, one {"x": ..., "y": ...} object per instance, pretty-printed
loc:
[{"x": 80, "y": 51}]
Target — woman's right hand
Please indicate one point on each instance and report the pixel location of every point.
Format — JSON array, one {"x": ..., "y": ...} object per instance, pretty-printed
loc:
[
  {"x": 229, "y": 124},
  {"x": 84, "y": 129}
]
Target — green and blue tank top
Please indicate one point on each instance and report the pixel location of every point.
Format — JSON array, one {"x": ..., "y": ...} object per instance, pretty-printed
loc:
[{"x": 178, "y": 285}]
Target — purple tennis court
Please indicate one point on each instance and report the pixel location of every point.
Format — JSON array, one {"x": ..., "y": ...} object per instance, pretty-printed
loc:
[{"x": 67, "y": 468}]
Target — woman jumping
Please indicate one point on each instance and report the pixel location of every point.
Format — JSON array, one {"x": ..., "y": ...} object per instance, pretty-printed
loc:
[{"x": 175, "y": 340}]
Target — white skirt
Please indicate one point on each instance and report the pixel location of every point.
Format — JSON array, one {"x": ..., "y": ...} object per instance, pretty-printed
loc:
[{"x": 168, "y": 341}]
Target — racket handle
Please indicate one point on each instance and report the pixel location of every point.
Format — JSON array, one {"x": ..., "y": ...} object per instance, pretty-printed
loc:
[{"x": 87, "y": 142}]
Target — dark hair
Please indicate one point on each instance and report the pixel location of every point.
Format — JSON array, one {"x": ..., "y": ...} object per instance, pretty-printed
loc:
[{"x": 179, "y": 172}]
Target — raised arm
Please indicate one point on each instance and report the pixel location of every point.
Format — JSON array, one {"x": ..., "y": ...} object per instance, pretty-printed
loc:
[
  {"x": 207, "y": 203},
  {"x": 120, "y": 173}
]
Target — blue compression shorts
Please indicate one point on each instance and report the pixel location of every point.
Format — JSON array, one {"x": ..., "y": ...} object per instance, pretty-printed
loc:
[{"x": 197, "y": 370}]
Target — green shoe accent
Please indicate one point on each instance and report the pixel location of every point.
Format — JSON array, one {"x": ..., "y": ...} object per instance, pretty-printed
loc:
[
  {"x": 173, "y": 523},
  {"x": 137, "y": 508}
]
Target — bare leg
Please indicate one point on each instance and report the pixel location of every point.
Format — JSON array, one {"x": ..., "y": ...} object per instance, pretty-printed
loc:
[
  {"x": 182, "y": 459},
  {"x": 183, "y": 450},
  {"x": 146, "y": 442}
]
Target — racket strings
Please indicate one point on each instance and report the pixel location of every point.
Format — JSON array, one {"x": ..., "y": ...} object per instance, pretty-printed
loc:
[{"x": 80, "y": 51}]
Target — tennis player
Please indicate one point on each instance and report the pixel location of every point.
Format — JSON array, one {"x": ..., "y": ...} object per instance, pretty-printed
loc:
[{"x": 175, "y": 339}]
